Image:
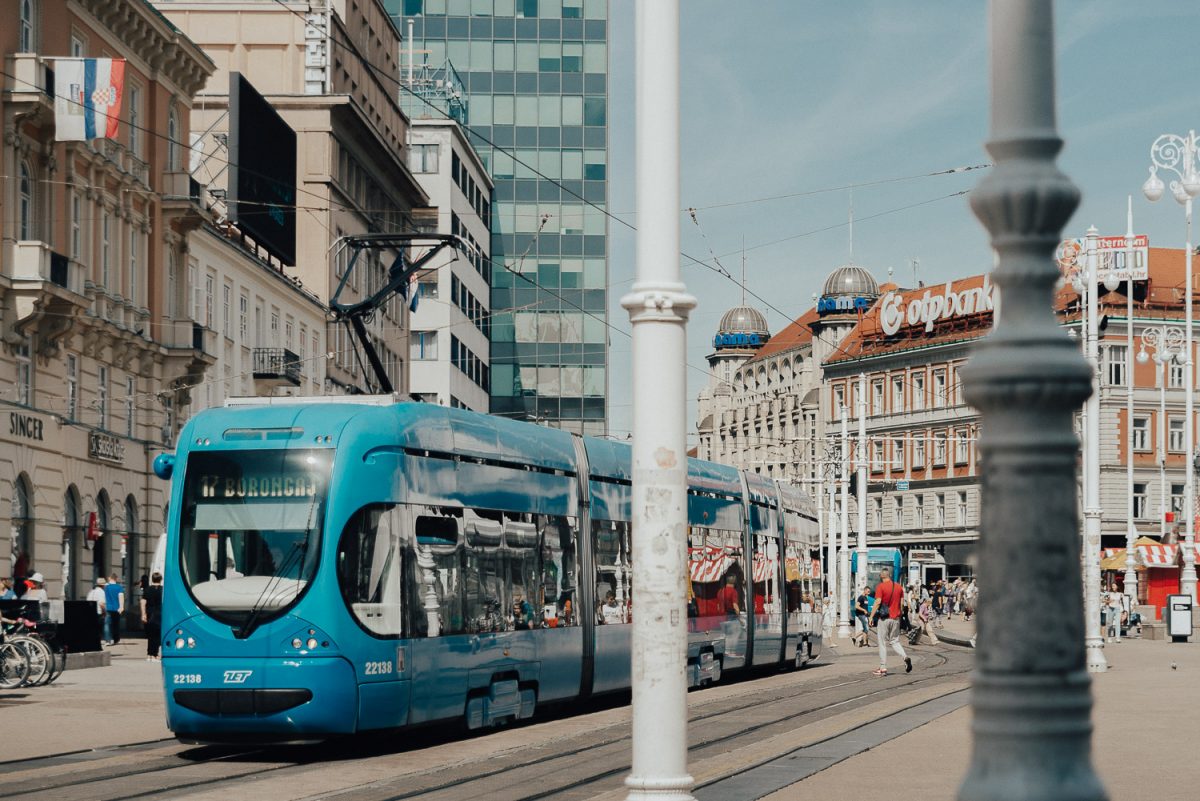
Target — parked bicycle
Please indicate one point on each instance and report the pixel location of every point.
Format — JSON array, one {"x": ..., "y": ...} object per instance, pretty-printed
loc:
[{"x": 43, "y": 661}]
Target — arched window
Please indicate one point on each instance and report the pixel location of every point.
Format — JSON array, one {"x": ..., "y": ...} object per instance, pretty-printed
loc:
[
  {"x": 25, "y": 202},
  {"x": 129, "y": 553},
  {"x": 26, "y": 44},
  {"x": 22, "y": 528},
  {"x": 172, "y": 139},
  {"x": 101, "y": 546},
  {"x": 71, "y": 538}
]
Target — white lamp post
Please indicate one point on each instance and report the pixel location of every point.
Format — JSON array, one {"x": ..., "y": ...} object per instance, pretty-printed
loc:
[
  {"x": 1093, "y": 641},
  {"x": 844, "y": 596},
  {"x": 1166, "y": 348},
  {"x": 1177, "y": 154},
  {"x": 863, "y": 578},
  {"x": 1131, "y": 581}
]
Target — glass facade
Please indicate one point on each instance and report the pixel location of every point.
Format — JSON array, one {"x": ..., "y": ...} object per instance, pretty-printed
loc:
[{"x": 535, "y": 74}]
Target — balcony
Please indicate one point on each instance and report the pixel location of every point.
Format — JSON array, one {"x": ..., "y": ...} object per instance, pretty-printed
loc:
[
  {"x": 276, "y": 367},
  {"x": 29, "y": 83},
  {"x": 181, "y": 199},
  {"x": 47, "y": 289}
]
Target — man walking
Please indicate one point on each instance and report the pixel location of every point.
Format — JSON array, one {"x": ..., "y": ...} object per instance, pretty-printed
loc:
[
  {"x": 114, "y": 604},
  {"x": 96, "y": 596},
  {"x": 889, "y": 597}
]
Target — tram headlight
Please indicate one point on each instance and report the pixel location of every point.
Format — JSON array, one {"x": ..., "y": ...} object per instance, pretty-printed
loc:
[
  {"x": 312, "y": 644},
  {"x": 191, "y": 642},
  {"x": 179, "y": 642},
  {"x": 297, "y": 643}
]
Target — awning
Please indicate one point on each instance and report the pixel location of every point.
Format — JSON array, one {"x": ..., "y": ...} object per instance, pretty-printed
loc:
[
  {"x": 764, "y": 568},
  {"x": 708, "y": 563},
  {"x": 1157, "y": 555}
]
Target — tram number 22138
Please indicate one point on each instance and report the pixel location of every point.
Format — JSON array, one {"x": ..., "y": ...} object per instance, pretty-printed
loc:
[{"x": 383, "y": 668}]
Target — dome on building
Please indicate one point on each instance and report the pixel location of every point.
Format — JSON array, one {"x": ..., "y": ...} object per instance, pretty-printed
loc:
[
  {"x": 850, "y": 279},
  {"x": 743, "y": 320}
]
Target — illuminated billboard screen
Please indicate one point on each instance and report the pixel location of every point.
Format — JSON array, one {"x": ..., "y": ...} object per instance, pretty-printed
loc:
[{"x": 262, "y": 171}]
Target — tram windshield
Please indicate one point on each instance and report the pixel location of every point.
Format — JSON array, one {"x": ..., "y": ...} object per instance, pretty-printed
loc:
[{"x": 250, "y": 530}]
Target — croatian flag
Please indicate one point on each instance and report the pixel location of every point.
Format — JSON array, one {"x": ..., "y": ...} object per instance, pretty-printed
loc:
[{"x": 87, "y": 97}]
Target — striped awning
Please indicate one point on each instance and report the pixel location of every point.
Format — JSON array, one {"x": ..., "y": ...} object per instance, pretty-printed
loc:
[
  {"x": 764, "y": 568},
  {"x": 708, "y": 563},
  {"x": 1157, "y": 555}
]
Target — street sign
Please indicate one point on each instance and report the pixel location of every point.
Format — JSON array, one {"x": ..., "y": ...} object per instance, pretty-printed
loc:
[
  {"x": 902, "y": 485},
  {"x": 1112, "y": 254}
]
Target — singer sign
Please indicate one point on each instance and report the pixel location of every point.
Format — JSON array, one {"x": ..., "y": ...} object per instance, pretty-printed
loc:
[
  {"x": 1112, "y": 255},
  {"x": 934, "y": 305}
]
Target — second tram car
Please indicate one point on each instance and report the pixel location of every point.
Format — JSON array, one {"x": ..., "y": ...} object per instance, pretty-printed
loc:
[{"x": 341, "y": 565}]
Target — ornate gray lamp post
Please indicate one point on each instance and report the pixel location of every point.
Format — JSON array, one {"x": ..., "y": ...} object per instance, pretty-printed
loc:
[
  {"x": 1031, "y": 692},
  {"x": 1177, "y": 154},
  {"x": 1166, "y": 344}
]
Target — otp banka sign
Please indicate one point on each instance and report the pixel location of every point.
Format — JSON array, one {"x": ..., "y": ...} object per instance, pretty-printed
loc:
[
  {"x": 737, "y": 341},
  {"x": 830, "y": 304}
]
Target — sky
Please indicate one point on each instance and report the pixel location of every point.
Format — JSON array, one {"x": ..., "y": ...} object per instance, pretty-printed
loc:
[{"x": 786, "y": 97}]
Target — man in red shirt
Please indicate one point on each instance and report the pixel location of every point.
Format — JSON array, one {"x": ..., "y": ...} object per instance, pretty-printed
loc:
[
  {"x": 889, "y": 598},
  {"x": 727, "y": 598}
]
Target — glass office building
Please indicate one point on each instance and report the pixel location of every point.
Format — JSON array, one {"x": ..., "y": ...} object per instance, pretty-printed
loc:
[{"x": 535, "y": 75}]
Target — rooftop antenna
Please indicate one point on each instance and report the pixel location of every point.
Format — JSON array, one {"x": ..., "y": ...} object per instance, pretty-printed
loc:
[
  {"x": 852, "y": 225},
  {"x": 916, "y": 265},
  {"x": 743, "y": 269}
]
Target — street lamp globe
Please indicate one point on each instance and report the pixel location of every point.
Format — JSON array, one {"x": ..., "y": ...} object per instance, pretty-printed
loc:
[
  {"x": 1142, "y": 356},
  {"x": 1191, "y": 182},
  {"x": 1181, "y": 195},
  {"x": 1153, "y": 188}
]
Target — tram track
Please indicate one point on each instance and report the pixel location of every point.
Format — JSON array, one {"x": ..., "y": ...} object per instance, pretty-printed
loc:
[{"x": 574, "y": 766}]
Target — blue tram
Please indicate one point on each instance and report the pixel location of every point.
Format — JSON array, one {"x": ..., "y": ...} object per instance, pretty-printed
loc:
[{"x": 336, "y": 565}]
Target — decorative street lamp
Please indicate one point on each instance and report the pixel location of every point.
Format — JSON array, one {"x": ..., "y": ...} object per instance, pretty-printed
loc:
[
  {"x": 1177, "y": 154},
  {"x": 844, "y": 594},
  {"x": 1166, "y": 345},
  {"x": 1092, "y": 511}
]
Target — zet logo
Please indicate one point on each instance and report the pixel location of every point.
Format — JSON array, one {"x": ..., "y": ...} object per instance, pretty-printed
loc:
[{"x": 237, "y": 676}]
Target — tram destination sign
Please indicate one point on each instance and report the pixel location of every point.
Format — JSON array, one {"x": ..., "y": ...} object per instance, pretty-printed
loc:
[{"x": 106, "y": 448}]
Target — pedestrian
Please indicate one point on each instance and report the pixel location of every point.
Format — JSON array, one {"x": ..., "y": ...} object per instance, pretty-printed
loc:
[
  {"x": 114, "y": 606},
  {"x": 1113, "y": 617},
  {"x": 970, "y": 594},
  {"x": 610, "y": 611},
  {"x": 35, "y": 588},
  {"x": 889, "y": 598},
  {"x": 728, "y": 599},
  {"x": 152, "y": 615},
  {"x": 96, "y": 596},
  {"x": 925, "y": 619},
  {"x": 862, "y": 609},
  {"x": 6, "y": 590}
]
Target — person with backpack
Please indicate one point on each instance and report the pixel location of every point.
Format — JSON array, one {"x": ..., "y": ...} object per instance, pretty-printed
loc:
[{"x": 889, "y": 600}]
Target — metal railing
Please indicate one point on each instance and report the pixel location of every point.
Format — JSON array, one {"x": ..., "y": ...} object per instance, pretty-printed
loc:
[{"x": 277, "y": 363}]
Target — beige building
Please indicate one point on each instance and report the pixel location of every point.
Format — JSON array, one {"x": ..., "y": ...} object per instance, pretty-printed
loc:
[
  {"x": 448, "y": 343},
  {"x": 352, "y": 173},
  {"x": 97, "y": 348}
]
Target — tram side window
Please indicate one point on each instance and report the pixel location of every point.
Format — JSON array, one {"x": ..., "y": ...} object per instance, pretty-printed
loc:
[
  {"x": 716, "y": 569},
  {"x": 521, "y": 558},
  {"x": 436, "y": 577},
  {"x": 613, "y": 571},
  {"x": 369, "y": 568},
  {"x": 560, "y": 578},
  {"x": 766, "y": 574},
  {"x": 488, "y": 599}
]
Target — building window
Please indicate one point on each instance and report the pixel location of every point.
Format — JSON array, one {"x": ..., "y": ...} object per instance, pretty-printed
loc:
[
  {"x": 877, "y": 397},
  {"x": 877, "y": 456},
  {"x": 918, "y": 392},
  {"x": 172, "y": 139},
  {"x": 939, "y": 510},
  {"x": 24, "y": 372},
  {"x": 25, "y": 22},
  {"x": 876, "y": 514},
  {"x": 25, "y": 201},
  {"x": 897, "y": 394},
  {"x": 897, "y": 512},
  {"x": 1141, "y": 433},
  {"x": 243, "y": 313},
  {"x": 134, "y": 248},
  {"x": 960, "y": 513},
  {"x": 423, "y": 158},
  {"x": 102, "y": 397},
  {"x": 939, "y": 388},
  {"x": 939, "y": 448},
  {"x": 962, "y": 446},
  {"x": 135, "y": 121},
  {"x": 210, "y": 288},
  {"x": 1174, "y": 435},
  {"x": 130, "y": 406},
  {"x": 1116, "y": 365},
  {"x": 1177, "y": 501},
  {"x": 105, "y": 248},
  {"x": 898, "y": 454},
  {"x": 274, "y": 328},
  {"x": 919, "y": 511},
  {"x": 226, "y": 311},
  {"x": 76, "y": 226},
  {"x": 77, "y": 46},
  {"x": 1139, "y": 500},
  {"x": 422, "y": 346},
  {"x": 918, "y": 458},
  {"x": 1175, "y": 376},
  {"x": 72, "y": 386},
  {"x": 839, "y": 400}
]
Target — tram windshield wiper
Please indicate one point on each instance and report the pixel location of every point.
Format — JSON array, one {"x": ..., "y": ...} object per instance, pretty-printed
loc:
[{"x": 295, "y": 552}]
